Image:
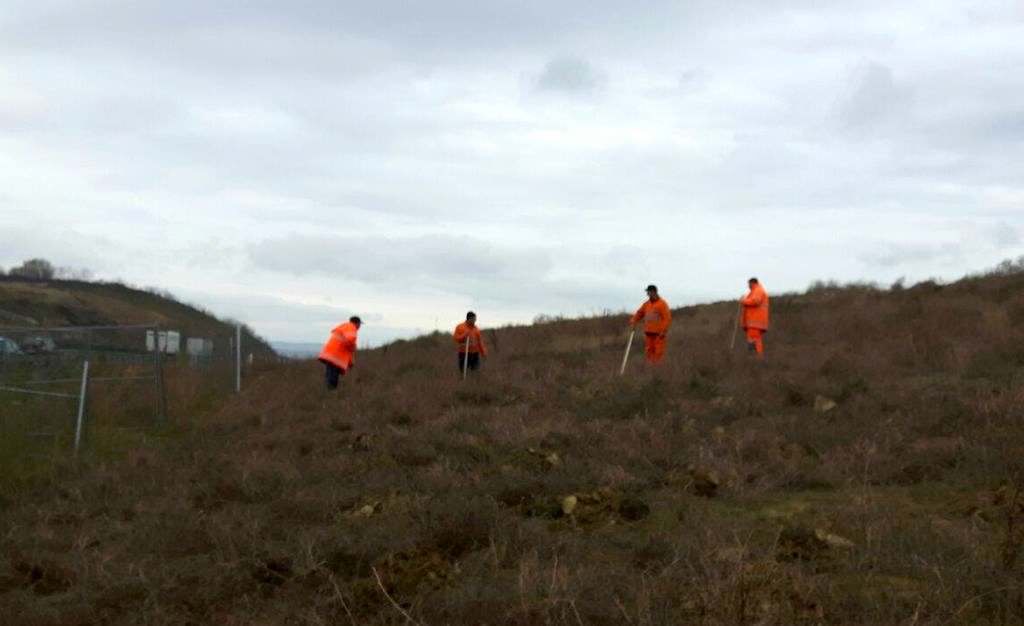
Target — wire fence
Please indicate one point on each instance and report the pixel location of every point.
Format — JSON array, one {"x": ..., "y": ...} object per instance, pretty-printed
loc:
[{"x": 58, "y": 384}]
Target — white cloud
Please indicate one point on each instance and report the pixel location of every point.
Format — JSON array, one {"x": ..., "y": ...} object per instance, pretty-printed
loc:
[
  {"x": 875, "y": 98},
  {"x": 569, "y": 75},
  {"x": 426, "y": 263}
]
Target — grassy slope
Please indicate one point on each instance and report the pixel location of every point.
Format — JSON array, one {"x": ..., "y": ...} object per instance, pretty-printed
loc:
[
  {"x": 78, "y": 303},
  {"x": 287, "y": 505}
]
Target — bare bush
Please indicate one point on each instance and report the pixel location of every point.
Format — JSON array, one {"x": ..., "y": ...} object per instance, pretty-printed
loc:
[
  {"x": 82, "y": 274},
  {"x": 39, "y": 269}
]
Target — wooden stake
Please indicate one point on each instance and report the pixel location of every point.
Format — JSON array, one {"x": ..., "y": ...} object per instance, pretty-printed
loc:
[
  {"x": 465, "y": 359},
  {"x": 736, "y": 327},
  {"x": 625, "y": 357},
  {"x": 81, "y": 407},
  {"x": 238, "y": 358},
  {"x": 158, "y": 374}
]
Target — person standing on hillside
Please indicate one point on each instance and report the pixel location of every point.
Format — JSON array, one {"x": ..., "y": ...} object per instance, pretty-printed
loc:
[
  {"x": 754, "y": 318},
  {"x": 656, "y": 317},
  {"x": 470, "y": 344},
  {"x": 339, "y": 353}
]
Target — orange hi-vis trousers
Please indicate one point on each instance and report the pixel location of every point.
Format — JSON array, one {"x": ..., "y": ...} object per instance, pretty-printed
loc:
[
  {"x": 654, "y": 347},
  {"x": 755, "y": 339}
]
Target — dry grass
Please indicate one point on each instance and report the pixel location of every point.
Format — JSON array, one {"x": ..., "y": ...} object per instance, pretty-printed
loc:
[{"x": 708, "y": 491}]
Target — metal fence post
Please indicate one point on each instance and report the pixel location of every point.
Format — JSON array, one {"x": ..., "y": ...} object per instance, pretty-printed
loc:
[
  {"x": 238, "y": 358},
  {"x": 81, "y": 407},
  {"x": 158, "y": 374}
]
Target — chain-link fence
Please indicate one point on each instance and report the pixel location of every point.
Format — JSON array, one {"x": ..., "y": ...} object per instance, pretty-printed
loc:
[{"x": 59, "y": 385}]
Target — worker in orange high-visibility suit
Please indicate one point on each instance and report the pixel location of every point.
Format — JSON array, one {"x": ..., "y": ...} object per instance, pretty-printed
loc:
[
  {"x": 468, "y": 339},
  {"x": 657, "y": 317},
  {"x": 339, "y": 353},
  {"x": 755, "y": 316}
]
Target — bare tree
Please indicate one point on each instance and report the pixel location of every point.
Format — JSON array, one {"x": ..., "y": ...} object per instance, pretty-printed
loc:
[{"x": 34, "y": 268}]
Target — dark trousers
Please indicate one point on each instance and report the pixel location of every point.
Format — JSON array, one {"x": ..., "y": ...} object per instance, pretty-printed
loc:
[
  {"x": 331, "y": 375},
  {"x": 473, "y": 361}
]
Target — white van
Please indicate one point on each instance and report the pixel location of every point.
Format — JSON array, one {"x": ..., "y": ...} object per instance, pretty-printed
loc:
[{"x": 8, "y": 347}]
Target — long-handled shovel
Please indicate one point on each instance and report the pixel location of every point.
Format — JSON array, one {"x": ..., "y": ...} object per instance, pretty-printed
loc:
[
  {"x": 625, "y": 357},
  {"x": 735, "y": 327},
  {"x": 465, "y": 359}
]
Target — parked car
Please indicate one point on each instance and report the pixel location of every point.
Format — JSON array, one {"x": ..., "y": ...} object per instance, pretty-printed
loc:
[
  {"x": 8, "y": 346},
  {"x": 38, "y": 345}
]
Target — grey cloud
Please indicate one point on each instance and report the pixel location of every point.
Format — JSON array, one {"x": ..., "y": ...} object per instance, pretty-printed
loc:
[
  {"x": 625, "y": 260},
  {"x": 693, "y": 79},
  {"x": 895, "y": 255},
  {"x": 569, "y": 75},
  {"x": 268, "y": 307},
  {"x": 285, "y": 320},
  {"x": 523, "y": 278},
  {"x": 440, "y": 32},
  {"x": 431, "y": 262},
  {"x": 62, "y": 246},
  {"x": 1005, "y": 235},
  {"x": 993, "y": 241},
  {"x": 875, "y": 97}
]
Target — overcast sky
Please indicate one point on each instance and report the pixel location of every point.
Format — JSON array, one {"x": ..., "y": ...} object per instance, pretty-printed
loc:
[{"x": 289, "y": 163}]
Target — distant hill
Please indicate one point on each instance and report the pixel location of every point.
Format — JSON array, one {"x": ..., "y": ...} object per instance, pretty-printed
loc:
[
  {"x": 297, "y": 349},
  {"x": 48, "y": 303}
]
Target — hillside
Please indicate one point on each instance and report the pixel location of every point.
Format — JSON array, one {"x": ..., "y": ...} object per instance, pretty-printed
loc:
[
  {"x": 868, "y": 473},
  {"x": 49, "y": 303}
]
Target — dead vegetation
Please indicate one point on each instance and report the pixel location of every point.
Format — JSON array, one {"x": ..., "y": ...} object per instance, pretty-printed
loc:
[{"x": 869, "y": 473}]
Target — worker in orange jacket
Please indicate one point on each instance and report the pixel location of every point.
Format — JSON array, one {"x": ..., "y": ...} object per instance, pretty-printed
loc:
[
  {"x": 656, "y": 317},
  {"x": 754, "y": 319},
  {"x": 468, "y": 339},
  {"x": 339, "y": 353}
]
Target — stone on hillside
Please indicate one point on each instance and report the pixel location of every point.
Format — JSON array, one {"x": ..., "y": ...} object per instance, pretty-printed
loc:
[
  {"x": 552, "y": 459},
  {"x": 367, "y": 510},
  {"x": 569, "y": 504},
  {"x": 833, "y": 540},
  {"x": 823, "y": 404}
]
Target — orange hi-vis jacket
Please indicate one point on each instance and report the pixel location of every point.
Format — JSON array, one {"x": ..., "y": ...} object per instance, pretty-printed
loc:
[
  {"x": 340, "y": 349},
  {"x": 656, "y": 316},
  {"x": 755, "y": 308},
  {"x": 476, "y": 341}
]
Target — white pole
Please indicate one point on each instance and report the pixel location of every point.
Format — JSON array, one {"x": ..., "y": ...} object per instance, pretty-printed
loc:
[
  {"x": 465, "y": 359},
  {"x": 81, "y": 406},
  {"x": 625, "y": 357},
  {"x": 735, "y": 327},
  {"x": 238, "y": 358}
]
